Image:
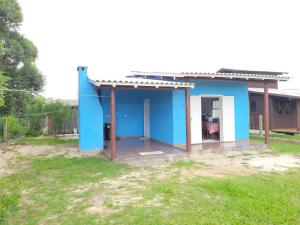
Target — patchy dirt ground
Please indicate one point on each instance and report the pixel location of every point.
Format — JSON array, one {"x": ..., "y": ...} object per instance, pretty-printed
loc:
[
  {"x": 9, "y": 154},
  {"x": 110, "y": 195}
]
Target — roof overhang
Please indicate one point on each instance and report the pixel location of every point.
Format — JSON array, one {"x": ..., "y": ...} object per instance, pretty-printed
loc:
[
  {"x": 276, "y": 93},
  {"x": 140, "y": 83},
  {"x": 200, "y": 75}
]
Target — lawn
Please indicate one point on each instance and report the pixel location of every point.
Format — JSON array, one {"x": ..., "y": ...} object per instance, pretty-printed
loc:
[
  {"x": 281, "y": 147},
  {"x": 47, "y": 140},
  {"x": 48, "y": 184},
  {"x": 59, "y": 189},
  {"x": 278, "y": 135}
]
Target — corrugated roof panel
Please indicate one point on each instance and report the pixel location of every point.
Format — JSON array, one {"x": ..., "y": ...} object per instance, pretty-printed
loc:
[
  {"x": 140, "y": 82},
  {"x": 211, "y": 75}
]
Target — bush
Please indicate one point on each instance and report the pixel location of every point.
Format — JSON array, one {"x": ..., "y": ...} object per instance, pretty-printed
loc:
[
  {"x": 15, "y": 127},
  {"x": 35, "y": 113}
]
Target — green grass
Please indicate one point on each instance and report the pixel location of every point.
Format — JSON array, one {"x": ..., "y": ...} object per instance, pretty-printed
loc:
[
  {"x": 281, "y": 147},
  {"x": 283, "y": 136},
  {"x": 43, "y": 191},
  {"x": 48, "y": 183},
  {"x": 47, "y": 140},
  {"x": 187, "y": 164},
  {"x": 263, "y": 199}
]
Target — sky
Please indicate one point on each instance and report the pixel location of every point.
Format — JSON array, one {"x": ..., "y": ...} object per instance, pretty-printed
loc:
[{"x": 114, "y": 37}]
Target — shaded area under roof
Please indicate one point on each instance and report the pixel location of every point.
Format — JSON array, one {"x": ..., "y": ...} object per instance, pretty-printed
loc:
[{"x": 226, "y": 70}]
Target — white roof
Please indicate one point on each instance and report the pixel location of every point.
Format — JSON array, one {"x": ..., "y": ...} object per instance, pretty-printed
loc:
[
  {"x": 138, "y": 82},
  {"x": 211, "y": 75},
  {"x": 293, "y": 93}
]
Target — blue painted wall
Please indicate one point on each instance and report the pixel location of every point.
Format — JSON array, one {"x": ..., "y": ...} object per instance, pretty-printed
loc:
[
  {"x": 130, "y": 113},
  {"x": 179, "y": 127},
  {"x": 90, "y": 114},
  {"x": 161, "y": 116},
  {"x": 241, "y": 106}
]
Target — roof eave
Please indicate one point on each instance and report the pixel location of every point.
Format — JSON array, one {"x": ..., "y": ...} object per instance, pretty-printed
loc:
[
  {"x": 137, "y": 84},
  {"x": 257, "y": 77}
]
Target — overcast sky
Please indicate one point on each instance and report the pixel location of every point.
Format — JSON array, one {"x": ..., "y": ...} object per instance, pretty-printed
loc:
[{"x": 113, "y": 37}]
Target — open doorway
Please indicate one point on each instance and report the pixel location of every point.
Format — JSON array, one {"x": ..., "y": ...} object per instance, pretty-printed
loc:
[{"x": 210, "y": 107}]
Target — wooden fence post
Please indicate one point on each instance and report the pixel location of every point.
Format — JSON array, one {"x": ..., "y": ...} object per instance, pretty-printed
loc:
[
  {"x": 5, "y": 130},
  {"x": 260, "y": 124}
]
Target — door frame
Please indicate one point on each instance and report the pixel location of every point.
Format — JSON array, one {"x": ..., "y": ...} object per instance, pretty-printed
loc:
[{"x": 220, "y": 97}]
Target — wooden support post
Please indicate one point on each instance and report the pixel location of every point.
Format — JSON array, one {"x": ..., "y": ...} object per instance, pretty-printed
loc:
[
  {"x": 266, "y": 114},
  {"x": 260, "y": 124},
  {"x": 298, "y": 114},
  {"x": 113, "y": 144},
  {"x": 188, "y": 119}
]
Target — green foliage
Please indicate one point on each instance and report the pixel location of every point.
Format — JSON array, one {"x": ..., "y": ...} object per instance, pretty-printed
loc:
[
  {"x": 17, "y": 60},
  {"x": 60, "y": 113},
  {"x": 10, "y": 14},
  {"x": 35, "y": 113},
  {"x": 3, "y": 84},
  {"x": 15, "y": 127}
]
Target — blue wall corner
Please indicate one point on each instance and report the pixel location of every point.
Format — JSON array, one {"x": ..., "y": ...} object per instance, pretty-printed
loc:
[
  {"x": 179, "y": 123},
  {"x": 90, "y": 114}
]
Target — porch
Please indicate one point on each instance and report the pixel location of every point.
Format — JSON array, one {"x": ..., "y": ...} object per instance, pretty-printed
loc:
[
  {"x": 143, "y": 148},
  {"x": 148, "y": 150}
]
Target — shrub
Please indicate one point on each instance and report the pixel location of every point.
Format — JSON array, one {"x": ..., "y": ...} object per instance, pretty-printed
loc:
[{"x": 15, "y": 127}]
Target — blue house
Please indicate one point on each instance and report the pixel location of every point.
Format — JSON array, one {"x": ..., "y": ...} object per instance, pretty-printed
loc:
[{"x": 174, "y": 109}]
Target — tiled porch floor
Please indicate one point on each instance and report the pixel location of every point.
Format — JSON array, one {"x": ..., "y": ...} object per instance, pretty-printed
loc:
[{"x": 129, "y": 149}]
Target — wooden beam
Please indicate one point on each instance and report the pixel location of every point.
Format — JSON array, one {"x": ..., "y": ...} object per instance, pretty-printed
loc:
[
  {"x": 298, "y": 114},
  {"x": 188, "y": 119},
  {"x": 113, "y": 144},
  {"x": 266, "y": 114},
  {"x": 131, "y": 87}
]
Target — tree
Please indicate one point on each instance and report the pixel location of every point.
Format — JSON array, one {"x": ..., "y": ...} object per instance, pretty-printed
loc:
[
  {"x": 3, "y": 84},
  {"x": 17, "y": 60}
]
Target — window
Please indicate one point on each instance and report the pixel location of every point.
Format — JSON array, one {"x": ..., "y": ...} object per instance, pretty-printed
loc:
[
  {"x": 216, "y": 109},
  {"x": 283, "y": 107},
  {"x": 253, "y": 106}
]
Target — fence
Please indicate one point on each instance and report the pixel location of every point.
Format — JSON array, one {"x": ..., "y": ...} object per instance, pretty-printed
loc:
[{"x": 15, "y": 126}]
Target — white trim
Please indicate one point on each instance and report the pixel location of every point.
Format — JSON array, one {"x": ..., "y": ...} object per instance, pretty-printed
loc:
[
  {"x": 196, "y": 119},
  {"x": 228, "y": 119},
  {"x": 136, "y": 82}
]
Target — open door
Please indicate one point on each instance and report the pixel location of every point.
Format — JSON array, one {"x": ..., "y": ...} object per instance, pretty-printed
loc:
[
  {"x": 196, "y": 120},
  {"x": 146, "y": 118},
  {"x": 228, "y": 119}
]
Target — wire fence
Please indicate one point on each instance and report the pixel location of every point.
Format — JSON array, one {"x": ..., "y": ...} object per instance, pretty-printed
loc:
[{"x": 35, "y": 124}]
